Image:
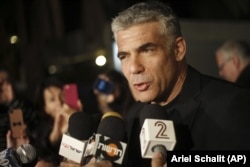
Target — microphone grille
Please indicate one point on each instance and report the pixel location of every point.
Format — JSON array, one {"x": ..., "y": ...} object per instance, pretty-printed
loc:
[
  {"x": 112, "y": 127},
  {"x": 26, "y": 153},
  {"x": 81, "y": 125}
]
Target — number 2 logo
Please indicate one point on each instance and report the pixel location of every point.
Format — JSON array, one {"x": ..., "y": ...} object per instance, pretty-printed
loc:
[{"x": 162, "y": 132}]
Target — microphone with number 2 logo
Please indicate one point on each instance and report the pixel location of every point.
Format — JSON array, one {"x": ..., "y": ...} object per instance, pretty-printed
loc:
[{"x": 157, "y": 133}]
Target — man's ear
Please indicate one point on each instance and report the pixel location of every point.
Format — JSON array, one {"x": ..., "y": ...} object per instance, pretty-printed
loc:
[
  {"x": 236, "y": 61},
  {"x": 110, "y": 98},
  {"x": 180, "y": 48}
]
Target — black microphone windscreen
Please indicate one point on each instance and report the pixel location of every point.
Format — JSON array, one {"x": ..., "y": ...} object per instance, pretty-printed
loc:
[
  {"x": 153, "y": 111},
  {"x": 80, "y": 125},
  {"x": 112, "y": 127},
  {"x": 26, "y": 153}
]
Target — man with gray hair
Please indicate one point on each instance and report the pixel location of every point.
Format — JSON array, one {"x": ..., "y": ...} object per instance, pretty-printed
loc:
[
  {"x": 233, "y": 60},
  {"x": 208, "y": 113}
]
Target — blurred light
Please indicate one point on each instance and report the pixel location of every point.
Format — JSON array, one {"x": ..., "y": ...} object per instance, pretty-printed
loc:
[
  {"x": 100, "y": 60},
  {"x": 52, "y": 69},
  {"x": 116, "y": 61},
  {"x": 13, "y": 39}
]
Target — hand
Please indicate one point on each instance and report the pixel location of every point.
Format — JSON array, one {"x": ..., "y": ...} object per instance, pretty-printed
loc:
[
  {"x": 80, "y": 105},
  {"x": 158, "y": 160},
  {"x": 103, "y": 163},
  {"x": 92, "y": 163},
  {"x": 16, "y": 142},
  {"x": 61, "y": 122},
  {"x": 69, "y": 164},
  {"x": 43, "y": 163},
  {"x": 58, "y": 126}
]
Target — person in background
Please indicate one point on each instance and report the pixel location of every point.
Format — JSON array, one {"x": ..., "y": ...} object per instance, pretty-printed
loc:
[
  {"x": 113, "y": 97},
  {"x": 53, "y": 115},
  {"x": 233, "y": 61},
  {"x": 9, "y": 100},
  {"x": 113, "y": 94}
]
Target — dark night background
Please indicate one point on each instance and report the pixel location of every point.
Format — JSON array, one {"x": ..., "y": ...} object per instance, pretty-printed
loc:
[{"x": 69, "y": 33}]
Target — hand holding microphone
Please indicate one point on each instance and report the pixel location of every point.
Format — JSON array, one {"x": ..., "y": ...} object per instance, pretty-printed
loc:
[
  {"x": 92, "y": 163},
  {"x": 158, "y": 160}
]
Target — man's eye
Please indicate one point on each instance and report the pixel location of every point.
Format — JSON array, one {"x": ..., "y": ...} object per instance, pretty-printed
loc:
[
  {"x": 148, "y": 49},
  {"x": 121, "y": 56}
]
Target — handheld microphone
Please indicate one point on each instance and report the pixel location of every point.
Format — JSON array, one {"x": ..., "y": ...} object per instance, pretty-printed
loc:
[
  {"x": 107, "y": 143},
  {"x": 80, "y": 129},
  {"x": 81, "y": 125},
  {"x": 24, "y": 154},
  {"x": 157, "y": 133},
  {"x": 112, "y": 125}
]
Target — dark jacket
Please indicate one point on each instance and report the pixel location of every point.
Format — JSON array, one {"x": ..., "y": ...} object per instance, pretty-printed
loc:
[
  {"x": 208, "y": 114},
  {"x": 244, "y": 78}
]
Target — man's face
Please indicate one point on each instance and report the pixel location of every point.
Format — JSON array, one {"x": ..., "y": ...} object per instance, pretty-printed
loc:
[
  {"x": 226, "y": 68},
  {"x": 52, "y": 98},
  {"x": 103, "y": 99},
  {"x": 146, "y": 61},
  {"x": 6, "y": 91}
]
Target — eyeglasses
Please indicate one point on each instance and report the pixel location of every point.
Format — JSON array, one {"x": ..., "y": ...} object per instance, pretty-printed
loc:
[{"x": 223, "y": 64}]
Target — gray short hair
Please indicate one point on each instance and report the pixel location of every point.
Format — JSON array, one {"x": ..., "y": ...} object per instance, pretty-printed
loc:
[
  {"x": 145, "y": 12},
  {"x": 237, "y": 47}
]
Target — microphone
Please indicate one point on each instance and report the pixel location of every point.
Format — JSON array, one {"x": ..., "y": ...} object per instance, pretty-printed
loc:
[
  {"x": 74, "y": 142},
  {"x": 157, "y": 133},
  {"x": 107, "y": 143},
  {"x": 81, "y": 125},
  {"x": 112, "y": 125},
  {"x": 24, "y": 154}
]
